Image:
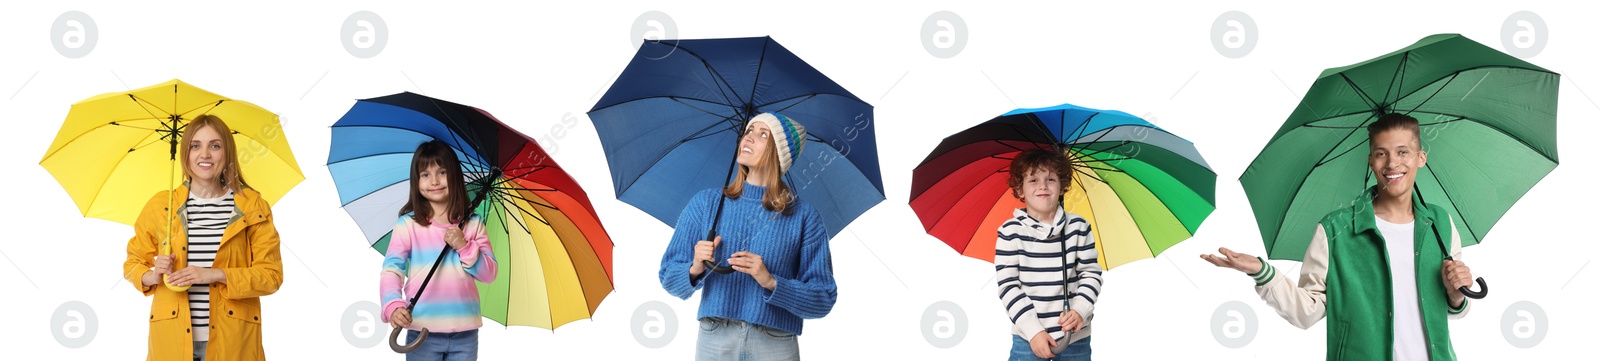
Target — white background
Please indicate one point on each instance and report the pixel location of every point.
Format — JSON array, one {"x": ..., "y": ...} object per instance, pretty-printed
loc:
[{"x": 534, "y": 65}]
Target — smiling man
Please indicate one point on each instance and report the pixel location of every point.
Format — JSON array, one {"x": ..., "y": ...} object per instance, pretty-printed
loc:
[{"x": 1370, "y": 268}]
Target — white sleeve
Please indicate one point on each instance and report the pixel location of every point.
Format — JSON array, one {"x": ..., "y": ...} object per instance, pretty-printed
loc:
[{"x": 1304, "y": 304}]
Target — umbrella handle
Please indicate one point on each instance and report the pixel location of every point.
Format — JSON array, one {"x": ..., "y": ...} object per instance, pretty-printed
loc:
[
  {"x": 1476, "y": 295},
  {"x": 166, "y": 249},
  {"x": 394, "y": 340}
]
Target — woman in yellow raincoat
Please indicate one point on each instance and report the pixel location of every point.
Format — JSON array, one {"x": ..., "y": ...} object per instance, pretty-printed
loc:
[{"x": 223, "y": 255}]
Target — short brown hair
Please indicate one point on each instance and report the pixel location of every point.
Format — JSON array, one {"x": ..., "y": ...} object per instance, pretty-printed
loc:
[
  {"x": 430, "y": 153},
  {"x": 1393, "y": 121},
  {"x": 231, "y": 177},
  {"x": 1036, "y": 159}
]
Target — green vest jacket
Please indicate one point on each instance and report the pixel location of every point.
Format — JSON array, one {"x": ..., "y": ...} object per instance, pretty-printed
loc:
[{"x": 1360, "y": 301}]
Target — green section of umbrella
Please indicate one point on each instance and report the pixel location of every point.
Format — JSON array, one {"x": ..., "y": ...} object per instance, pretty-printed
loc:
[{"x": 1488, "y": 123}]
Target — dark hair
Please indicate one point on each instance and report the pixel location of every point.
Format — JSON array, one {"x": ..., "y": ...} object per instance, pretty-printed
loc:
[
  {"x": 1393, "y": 121},
  {"x": 431, "y": 153},
  {"x": 1037, "y": 159}
]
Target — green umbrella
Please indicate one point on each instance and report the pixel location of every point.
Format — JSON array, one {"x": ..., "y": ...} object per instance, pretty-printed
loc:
[{"x": 1488, "y": 124}]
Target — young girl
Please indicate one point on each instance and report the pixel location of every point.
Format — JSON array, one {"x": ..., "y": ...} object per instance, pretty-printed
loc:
[
  {"x": 428, "y": 222},
  {"x": 224, "y": 255},
  {"x": 1046, "y": 263},
  {"x": 778, "y": 247}
]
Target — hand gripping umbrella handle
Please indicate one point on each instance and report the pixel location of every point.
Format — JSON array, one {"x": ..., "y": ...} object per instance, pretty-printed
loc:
[
  {"x": 1476, "y": 295},
  {"x": 394, "y": 334},
  {"x": 166, "y": 249}
]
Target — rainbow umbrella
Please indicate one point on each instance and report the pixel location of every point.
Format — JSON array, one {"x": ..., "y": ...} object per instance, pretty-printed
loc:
[
  {"x": 1141, "y": 188},
  {"x": 554, "y": 255}
]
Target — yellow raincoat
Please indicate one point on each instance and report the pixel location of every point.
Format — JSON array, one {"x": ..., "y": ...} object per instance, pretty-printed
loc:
[{"x": 248, "y": 257}]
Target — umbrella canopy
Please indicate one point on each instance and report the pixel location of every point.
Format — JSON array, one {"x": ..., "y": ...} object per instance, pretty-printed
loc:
[
  {"x": 115, "y": 150},
  {"x": 554, "y": 255},
  {"x": 670, "y": 126},
  {"x": 1488, "y": 124},
  {"x": 1141, "y": 188}
]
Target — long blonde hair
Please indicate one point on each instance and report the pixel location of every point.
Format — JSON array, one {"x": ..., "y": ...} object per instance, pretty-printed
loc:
[
  {"x": 230, "y": 177},
  {"x": 779, "y": 198}
]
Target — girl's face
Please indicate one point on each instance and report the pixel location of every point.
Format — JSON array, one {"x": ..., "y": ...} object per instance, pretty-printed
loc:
[
  {"x": 1396, "y": 156},
  {"x": 434, "y": 184},
  {"x": 207, "y": 157},
  {"x": 1041, "y": 191},
  {"x": 754, "y": 144}
]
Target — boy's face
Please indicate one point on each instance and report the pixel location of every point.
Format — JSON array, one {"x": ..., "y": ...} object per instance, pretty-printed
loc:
[
  {"x": 1041, "y": 191},
  {"x": 1395, "y": 159}
]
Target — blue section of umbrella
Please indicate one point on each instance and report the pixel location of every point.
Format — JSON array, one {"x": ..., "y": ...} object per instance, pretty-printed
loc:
[{"x": 670, "y": 126}]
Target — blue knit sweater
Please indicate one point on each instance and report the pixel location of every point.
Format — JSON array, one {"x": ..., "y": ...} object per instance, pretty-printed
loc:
[{"x": 793, "y": 247}]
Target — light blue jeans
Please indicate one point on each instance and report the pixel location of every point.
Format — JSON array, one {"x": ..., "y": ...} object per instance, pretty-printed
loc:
[
  {"x": 444, "y": 346},
  {"x": 1021, "y": 351},
  {"x": 727, "y": 339}
]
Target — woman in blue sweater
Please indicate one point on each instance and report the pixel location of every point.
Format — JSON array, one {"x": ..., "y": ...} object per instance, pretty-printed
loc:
[{"x": 774, "y": 243}]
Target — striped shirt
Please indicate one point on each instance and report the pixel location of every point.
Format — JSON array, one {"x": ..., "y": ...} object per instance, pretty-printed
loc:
[
  {"x": 1029, "y": 256},
  {"x": 206, "y": 220}
]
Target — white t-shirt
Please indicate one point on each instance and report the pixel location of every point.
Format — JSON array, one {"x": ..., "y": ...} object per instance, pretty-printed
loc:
[{"x": 1409, "y": 341}]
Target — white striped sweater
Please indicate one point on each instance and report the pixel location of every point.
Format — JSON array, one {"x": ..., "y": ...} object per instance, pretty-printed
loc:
[
  {"x": 1028, "y": 258},
  {"x": 206, "y": 218}
]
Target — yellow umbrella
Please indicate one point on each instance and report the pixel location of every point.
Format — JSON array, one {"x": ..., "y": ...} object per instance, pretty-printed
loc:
[{"x": 115, "y": 150}]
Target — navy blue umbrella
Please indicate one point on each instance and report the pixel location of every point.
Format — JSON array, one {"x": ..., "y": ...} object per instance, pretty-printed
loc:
[{"x": 670, "y": 126}]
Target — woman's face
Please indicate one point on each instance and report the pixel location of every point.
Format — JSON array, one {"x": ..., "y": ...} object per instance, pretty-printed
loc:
[
  {"x": 207, "y": 155},
  {"x": 753, "y": 145},
  {"x": 1395, "y": 159}
]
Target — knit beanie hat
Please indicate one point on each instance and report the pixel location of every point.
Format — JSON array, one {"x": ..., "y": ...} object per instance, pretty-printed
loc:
[{"x": 789, "y": 136}]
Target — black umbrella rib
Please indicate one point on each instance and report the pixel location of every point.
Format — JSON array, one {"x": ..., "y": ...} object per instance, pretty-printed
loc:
[
  {"x": 1436, "y": 92},
  {"x": 520, "y": 222},
  {"x": 756, "y": 83},
  {"x": 1397, "y": 80},
  {"x": 1497, "y": 129},
  {"x": 1038, "y": 125},
  {"x": 449, "y": 120},
  {"x": 506, "y": 193},
  {"x": 680, "y": 100},
  {"x": 796, "y": 103},
  {"x": 1452, "y": 74},
  {"x": 653, "y": 163},
  {"x": 525, "y": 189},
  {"x": 724, "y": 85},
  {"x": 1082, "y": 127},
  {"x": 363, "y": 196},
  {"x": 1352, "y": 148},
  {"x": 808, "y": 96},
  {"x": 1453, "y": 204},
  {"x": 524, "y": 171},
  {"x": 1371, "y": 104},
  {"x": 207, "y": 106},
  {"x": 146, "y": 105},
  {"x": 721, "y": 89},
  {"x": 511, "y": 194}
]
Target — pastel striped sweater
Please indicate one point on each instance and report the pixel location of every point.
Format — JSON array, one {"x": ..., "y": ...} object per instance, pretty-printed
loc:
[
  {"x": 451, "y": 302},
  {"x": 793, "y": 247},
  {"x": 1028, "y": 259}
]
